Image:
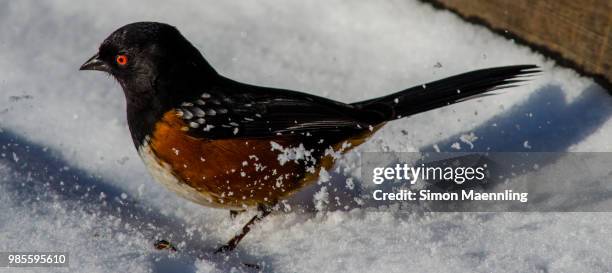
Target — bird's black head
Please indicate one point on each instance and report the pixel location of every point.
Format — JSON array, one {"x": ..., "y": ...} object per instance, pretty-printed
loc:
[
  {"x": 157, "y": 68},
  {"x": 146, "y": 57}
]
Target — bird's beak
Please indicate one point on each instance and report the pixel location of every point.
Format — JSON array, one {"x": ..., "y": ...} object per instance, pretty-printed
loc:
[{"x": 94, "y": 63}]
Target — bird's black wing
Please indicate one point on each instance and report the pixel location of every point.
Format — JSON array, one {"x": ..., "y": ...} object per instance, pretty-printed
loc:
[{"x": 236, "y": 110}]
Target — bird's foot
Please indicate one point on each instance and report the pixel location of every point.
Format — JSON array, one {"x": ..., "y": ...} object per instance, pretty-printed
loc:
[
  {"x": 164, "y": 244},
  {"x": 225, "y": 249}
]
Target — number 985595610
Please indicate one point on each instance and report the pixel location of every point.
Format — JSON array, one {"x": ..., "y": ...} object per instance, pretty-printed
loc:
[{"x": 33, "y": 259}]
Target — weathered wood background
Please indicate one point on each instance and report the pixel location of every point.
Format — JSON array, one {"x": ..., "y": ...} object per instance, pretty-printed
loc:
[{"x": 579, "y": 31}]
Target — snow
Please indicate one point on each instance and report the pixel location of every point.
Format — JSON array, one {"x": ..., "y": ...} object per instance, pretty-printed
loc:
[{"x": 72, "y": 181}]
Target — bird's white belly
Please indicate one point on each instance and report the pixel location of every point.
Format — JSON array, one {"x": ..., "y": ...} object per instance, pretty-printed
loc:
[{"x": 162, "y": 173}]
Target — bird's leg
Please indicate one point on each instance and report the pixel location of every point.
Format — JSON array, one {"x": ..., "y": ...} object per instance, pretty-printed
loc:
[
  {"x": 262, "y": 211},
  {"x": 235, "y": 213}
]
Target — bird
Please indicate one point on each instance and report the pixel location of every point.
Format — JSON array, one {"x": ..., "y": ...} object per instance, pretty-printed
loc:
[{"x": 226, "y": 144}]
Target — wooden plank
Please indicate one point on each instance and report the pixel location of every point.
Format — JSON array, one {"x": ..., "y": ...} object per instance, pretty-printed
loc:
[{"x": 578, "y": 31}]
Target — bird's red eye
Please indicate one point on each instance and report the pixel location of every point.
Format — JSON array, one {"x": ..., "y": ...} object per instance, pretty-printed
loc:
[{"x": 121, "y": 59}]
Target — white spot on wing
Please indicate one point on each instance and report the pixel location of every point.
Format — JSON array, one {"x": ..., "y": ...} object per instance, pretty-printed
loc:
[
  {"x": 198, "y": 112},
  {"x": 187, "y": 114}
]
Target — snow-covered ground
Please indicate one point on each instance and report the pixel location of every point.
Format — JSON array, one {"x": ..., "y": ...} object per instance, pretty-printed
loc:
[{"x": 71, "y": 180}]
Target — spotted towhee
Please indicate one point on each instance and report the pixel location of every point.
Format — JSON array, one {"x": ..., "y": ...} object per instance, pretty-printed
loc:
[{"x": 226, "y": 144}]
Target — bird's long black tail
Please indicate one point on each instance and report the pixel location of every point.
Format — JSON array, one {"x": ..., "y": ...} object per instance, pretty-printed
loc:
[{"x": 447, "y": 91}]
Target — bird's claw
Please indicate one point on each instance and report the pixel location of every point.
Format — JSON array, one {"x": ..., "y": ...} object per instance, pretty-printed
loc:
[{"x": 164, "y": 244}]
